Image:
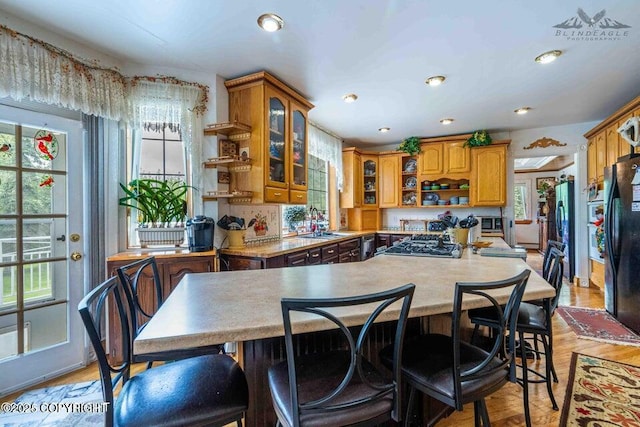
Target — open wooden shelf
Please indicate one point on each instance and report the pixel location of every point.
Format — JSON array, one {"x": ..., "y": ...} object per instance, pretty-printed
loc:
[
  {"x": 233, "y": 196},
  {"x": 233, "y": 164},
  {"x": 235, "y": 131}
]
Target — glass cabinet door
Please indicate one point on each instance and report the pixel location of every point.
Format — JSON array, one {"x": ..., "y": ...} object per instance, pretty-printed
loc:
[
  {"x": 370, "y": 184},
  {"x": 277, "y": 173},
  {"x": 299, "y": 150}
]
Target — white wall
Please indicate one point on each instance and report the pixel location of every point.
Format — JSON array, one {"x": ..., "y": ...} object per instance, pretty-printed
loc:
[{"x": 576, "y": 145}]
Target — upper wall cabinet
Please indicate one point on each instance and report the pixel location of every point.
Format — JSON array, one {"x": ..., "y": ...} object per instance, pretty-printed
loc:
[
  {"x": 445, "y": 156},
  {"x": 488, "y": 184},
  {"x": 605, "y": 145},
  {"x": 278, "y": 144}
]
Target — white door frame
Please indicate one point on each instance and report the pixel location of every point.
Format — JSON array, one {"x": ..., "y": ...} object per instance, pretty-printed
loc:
[{"x": 38, "y": 366}]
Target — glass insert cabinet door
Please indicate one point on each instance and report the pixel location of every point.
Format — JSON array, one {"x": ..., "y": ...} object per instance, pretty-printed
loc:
[
  {"x": 299, "y": 154},
  {"x": 278, "y": 153},
  {"x": 370, "y": 184}
]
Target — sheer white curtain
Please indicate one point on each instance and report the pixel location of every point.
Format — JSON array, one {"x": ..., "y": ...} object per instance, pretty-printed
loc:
[
  {"x": 326, "y": 147},
  {"x": 35, "y": 70}
]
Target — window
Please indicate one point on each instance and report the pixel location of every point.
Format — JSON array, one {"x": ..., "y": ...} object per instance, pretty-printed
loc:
[
  {"x": 317, "y": 192},
  {"x": 521, "y": 202},
  {"x": 160, "y": 156}
]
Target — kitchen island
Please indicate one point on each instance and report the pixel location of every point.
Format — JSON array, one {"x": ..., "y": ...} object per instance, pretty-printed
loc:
[{"x": 244, "y": 306}]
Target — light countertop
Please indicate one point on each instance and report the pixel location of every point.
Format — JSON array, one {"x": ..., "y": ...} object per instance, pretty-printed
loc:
[{"x": 211, "y": 308}]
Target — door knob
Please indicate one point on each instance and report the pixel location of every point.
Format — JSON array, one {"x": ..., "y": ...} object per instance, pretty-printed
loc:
[{"x": 76, "y": 256}]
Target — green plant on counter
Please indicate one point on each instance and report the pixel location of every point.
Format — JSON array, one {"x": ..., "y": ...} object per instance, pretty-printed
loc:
[
  {"x": 478, "y": 139},
  {"x": 294, "y": 214},
  {"x": 410, "y": 145},
  {"x": 159, "y": 203}
]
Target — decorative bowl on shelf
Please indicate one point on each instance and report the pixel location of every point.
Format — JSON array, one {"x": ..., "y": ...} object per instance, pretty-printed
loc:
[
  {"x": 428, "y": 202},
  {"x": 411, "y": 165},
  {"x": 411, "y": 182},
  {"x": 444, "y": 186},
  {"x": 435, "y": 186}
]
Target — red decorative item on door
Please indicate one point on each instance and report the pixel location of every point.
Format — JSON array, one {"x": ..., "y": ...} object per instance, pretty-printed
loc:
[{"x": 45, "y": 144}]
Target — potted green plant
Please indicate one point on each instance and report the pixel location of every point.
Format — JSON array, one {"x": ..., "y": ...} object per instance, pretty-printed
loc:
[
  {"x": 161, "y": 209},
  {"x": 293, "y": 215},
  {"x": 410, "y": 145},
  {"x": 478, "y": 139}
]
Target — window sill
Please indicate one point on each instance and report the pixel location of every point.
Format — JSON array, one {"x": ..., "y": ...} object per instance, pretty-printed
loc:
[{"x": 523, "y": 221}]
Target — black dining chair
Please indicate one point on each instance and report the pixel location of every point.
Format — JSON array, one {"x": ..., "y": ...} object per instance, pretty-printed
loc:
[
  {"x": 340, "y": 387},
  {"x": 204, "y": 390},
  {"x": 143, "y": 290},
  {"x": 546, "y": 260},
  {"x": 534, "y": 323},
  {"x": 456, "y": 372}
]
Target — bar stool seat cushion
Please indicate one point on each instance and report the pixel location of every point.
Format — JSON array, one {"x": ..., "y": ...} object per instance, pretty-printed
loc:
[
  {"x": 318, "y": 375},
  {"x": 427, "y": 359},
  {"x": 200, "y": 390}
]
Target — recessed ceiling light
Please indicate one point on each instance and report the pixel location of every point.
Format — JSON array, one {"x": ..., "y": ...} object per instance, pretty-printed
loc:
[
  {"x": 446, "y": 121},
  {"x": 270, "y": 22},
  {"x": 547, "y": 57},
  {"x": 349, "y": 98},
  {"x": 383, "y": 130},
  {"x": 435, "y": 80},
  {"x": 522, "y": 110}
]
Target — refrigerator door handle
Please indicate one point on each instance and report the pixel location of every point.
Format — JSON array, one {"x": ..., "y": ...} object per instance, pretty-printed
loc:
[
  {"x": 608, "y": 229},
  {"x": 559, "y": 217}
]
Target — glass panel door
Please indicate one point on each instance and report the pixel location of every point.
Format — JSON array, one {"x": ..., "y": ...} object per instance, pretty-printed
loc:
[
  {"x": 277, "y": 147},
  {"x": 370, "y": 183},
  {"x": 299, "y": 168},
  {"x": 40, "y": 331}
]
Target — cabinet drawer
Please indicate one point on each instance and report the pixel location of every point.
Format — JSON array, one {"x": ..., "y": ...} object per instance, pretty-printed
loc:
[
  {"x": 331, "y": 260},
  {"x": 348, "y": 245},
  {"x": 297, "y": 197},
  {"x": 276, "y": 195},
  {"x": 237, "y": 263},
  {"x": 314, "y": 257},
  {"x": 329, "y": 251},
  {"x": 297, "y": 259}
]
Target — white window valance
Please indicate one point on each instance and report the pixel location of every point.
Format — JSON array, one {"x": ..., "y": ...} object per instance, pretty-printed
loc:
[
  {"x": 36, "y": 70},
  {"x": 326, "y": 147}
]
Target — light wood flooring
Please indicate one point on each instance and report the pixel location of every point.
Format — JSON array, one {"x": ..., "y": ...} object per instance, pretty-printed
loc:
[{"x": 505, "y": 406}]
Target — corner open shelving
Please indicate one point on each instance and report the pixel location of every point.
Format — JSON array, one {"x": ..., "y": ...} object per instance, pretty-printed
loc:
[{"x": 235, "y": 131}]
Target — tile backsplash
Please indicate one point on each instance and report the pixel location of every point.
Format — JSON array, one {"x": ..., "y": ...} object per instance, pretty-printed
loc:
[{"x": 267, "y": 225}]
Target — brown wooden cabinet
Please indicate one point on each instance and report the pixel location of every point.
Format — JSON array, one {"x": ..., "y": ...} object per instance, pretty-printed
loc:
[
  {"x": 601, "y": 155},
  {"x": 351, "y": 195},
  {"x": 278, "y": 143},
  {"x": 432, "y": 158},
  {"x": 488, "y": 184},
  {"x": 349, "y": 251},
  {"x": 308, "y": 257},
  {"x": 592, "y": 172},
  {"x": 389, "y": 182},
  {"x": 172, "y": 267},
  {"x": 445, "y": 157}
]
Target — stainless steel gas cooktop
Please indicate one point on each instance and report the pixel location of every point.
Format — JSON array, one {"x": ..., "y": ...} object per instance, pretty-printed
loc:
[{"x": 429, "y": 245}]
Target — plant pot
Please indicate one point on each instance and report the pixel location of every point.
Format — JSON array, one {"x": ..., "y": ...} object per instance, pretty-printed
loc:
[{"x": 161, "y": 236}]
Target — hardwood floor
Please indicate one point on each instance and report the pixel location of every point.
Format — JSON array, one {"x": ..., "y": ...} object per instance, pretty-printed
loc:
[{"x": 505, "y": 406}]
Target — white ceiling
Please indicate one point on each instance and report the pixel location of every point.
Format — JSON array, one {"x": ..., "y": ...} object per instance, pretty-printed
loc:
[{"x": 382, "y": 50}]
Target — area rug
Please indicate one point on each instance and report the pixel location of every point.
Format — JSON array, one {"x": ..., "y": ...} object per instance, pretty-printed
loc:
[
  {"x": 54, "y": 406},
  {"x": 597, "y": 325},
  {"x": 601, "y": 393}
]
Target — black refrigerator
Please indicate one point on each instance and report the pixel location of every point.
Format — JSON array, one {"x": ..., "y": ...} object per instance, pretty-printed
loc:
[
  {"x": 622, "y": 241},
  {"x": 565, "y": 225}
]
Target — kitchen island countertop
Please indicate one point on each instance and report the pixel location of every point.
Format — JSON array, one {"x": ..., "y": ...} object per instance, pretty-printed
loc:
[{"x": 210, "y": 308}]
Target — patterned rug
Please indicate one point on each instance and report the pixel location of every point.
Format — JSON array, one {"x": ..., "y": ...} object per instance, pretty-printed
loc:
[
  {"x": 57, "y": 406},
  {"x": 597, "y": 325},
  {"x": 601, "y": 393}
]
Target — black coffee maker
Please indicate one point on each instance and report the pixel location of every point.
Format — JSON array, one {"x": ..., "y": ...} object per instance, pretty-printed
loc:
[{"x": 200, "y": 233}]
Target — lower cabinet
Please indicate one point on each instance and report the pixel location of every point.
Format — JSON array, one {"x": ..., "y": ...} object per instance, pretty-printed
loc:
[
  {"x": 171, "y": 269},
  {"x": 307, "y": 257},
  {"x": 330, "y": 254},
  {"x": 349, "y": 251},
  {"x": 388, "y": 239}
]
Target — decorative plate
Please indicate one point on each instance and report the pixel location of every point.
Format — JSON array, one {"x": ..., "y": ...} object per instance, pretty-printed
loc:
[
  {"x": 411, "y": 182},
  {"x": 434, "y": 197},
  {"x": 411, "y": 165}
]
